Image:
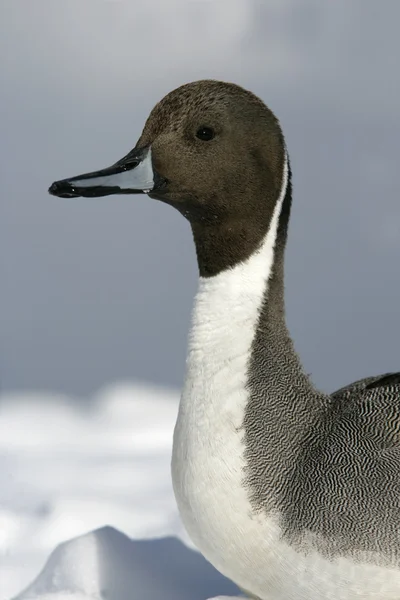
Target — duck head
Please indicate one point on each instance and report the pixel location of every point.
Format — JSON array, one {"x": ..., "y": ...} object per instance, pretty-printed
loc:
[{"x": 216, "y": 153}]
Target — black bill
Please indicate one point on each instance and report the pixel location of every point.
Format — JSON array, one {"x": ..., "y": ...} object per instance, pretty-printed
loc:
[{"x": 133, "y": 174}]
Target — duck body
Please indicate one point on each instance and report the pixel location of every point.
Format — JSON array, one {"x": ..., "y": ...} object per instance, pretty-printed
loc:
[
  {"x": 293, "y": 527},
  {"x": 291, "y": 493}
]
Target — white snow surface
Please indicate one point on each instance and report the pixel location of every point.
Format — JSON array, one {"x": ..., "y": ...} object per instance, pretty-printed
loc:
[{"x": 86, "y": 502}]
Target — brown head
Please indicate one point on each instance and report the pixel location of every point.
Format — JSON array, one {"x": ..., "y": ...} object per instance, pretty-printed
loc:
[{"x": 216, "y": 153}]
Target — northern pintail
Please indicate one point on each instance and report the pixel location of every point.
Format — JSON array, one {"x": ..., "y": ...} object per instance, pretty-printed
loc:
[{"x": 289, "y": 492}]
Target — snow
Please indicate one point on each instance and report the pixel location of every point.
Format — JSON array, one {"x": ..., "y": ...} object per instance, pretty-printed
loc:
[{"x": 86, "y": 502}]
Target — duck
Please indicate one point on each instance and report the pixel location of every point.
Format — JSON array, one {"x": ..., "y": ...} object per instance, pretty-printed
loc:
[{"x": 290, "y": 492}]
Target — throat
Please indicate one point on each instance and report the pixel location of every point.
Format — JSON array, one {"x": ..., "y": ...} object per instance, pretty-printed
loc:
[{"x": 226, "y": 316}]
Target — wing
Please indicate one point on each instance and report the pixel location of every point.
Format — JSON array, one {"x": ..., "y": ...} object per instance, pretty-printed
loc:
[
  {"x": 388, "y": 380},
  {"x": 371, "y": 408}
]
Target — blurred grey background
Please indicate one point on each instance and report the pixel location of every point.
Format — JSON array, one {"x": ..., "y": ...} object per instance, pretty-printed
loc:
[{"x": 96, "y": 291}]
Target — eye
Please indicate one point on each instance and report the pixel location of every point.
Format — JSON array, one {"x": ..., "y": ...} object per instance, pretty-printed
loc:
[{"x": 205, "y": 133}]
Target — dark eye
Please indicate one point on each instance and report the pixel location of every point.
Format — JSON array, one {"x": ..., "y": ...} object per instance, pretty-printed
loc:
[{"x": 205, "y": 133}]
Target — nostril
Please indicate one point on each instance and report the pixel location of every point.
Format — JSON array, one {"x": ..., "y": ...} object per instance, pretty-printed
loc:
[{"x": 128, "y": 165}]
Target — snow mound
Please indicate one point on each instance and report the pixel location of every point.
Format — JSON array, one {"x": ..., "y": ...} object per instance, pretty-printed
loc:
[
  {"x": 105, "y": 564},
  {"x": 69, "y": 467},
  {"x": 74, "y": 567}
]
